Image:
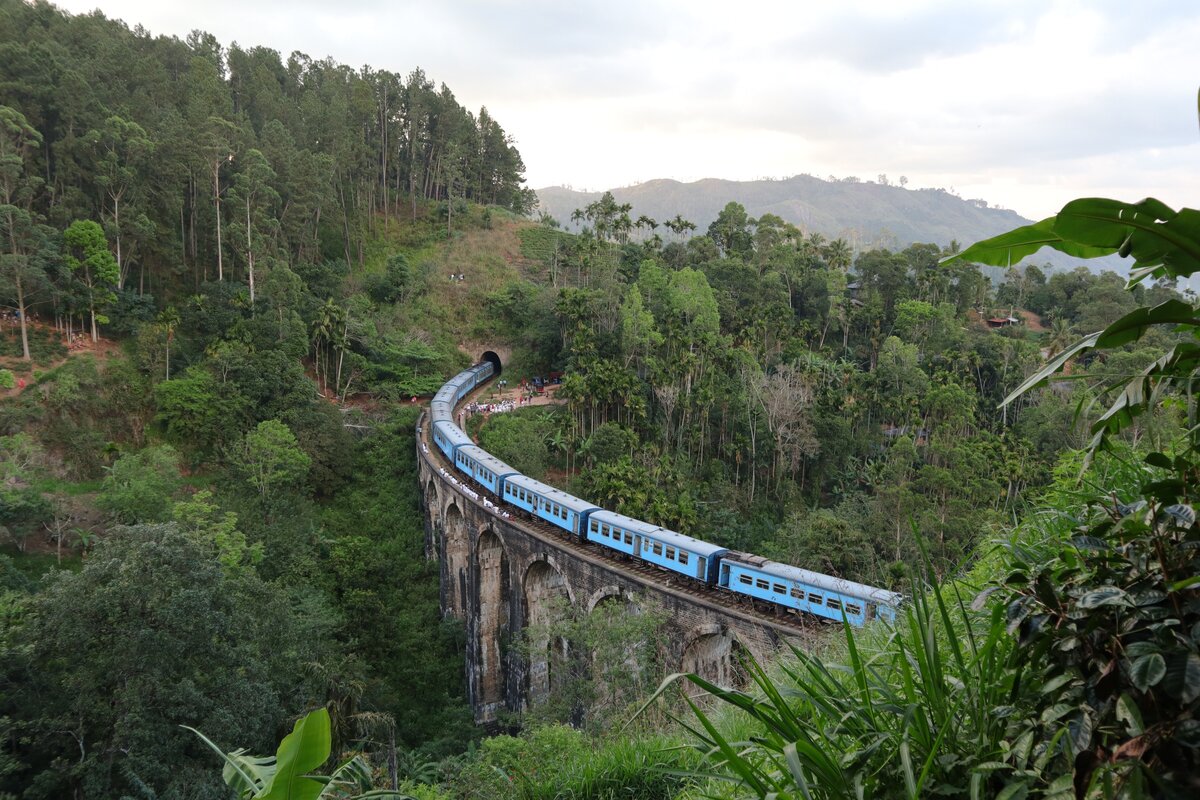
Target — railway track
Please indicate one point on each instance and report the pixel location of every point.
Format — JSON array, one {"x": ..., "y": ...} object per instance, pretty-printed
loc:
[{"x": 790, "y": 624}]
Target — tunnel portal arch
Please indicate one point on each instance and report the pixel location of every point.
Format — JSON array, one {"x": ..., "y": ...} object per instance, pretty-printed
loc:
[{"x": 491, "y": 357}]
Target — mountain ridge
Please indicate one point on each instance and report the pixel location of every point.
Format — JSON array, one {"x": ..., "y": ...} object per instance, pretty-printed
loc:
[{"x": 867, "y": 214}]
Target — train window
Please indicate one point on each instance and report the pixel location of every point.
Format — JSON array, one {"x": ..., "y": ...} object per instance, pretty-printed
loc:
[
  {"x": 835, "y": 604},
  {"x": 671, "y": 553},
  {"x": 761, "y": 583},
  {"x": 594, "y": 527},
  {"x": 870, "y": 611},
  {"x": 683, "y": 557},
  {"x": 778, "y": 588},
  {"x": 853, "y": 608},
  {"x": 815, "y": 599},
  {"x": 797, "y": 594},
  {"x": 744, "y": 579},
  {"x": 628, "y": 538},
  {"x": 657, "y": 549}
]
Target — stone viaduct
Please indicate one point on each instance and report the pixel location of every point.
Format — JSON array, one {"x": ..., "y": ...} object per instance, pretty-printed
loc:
[{"x": 501, "y": 575}]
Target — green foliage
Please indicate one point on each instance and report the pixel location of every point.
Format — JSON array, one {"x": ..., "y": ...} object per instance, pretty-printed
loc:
[
  {"x": 1108, "y": 620},
  {"x": 288, "y": 776},
  {"x": 139, "y": 487},
  {"x": 519, "y": 438},
  {"x": 195, "y": 413},
  {"x": 608, "y": 443},
  {"x": 44, "y": 346},
  {"x": 387, "y": 595},
  {"x": 922, "y": 710},
  {"x": 825, "y": 541},
  {"x": 649, "y": 493},
  {"x": 390, "y": 287},
  {"x": 217, "y": 532},
  {"x": 543, "y": 244},
  {"x": 611, "y": 660},
  {"x": 92, "y": 266},
  {"x": 549, "y": 762},
  {"x": 270, "y": 460},
  {"x": 1107, "y": 617},
  {"x": 151, "y": 633}
]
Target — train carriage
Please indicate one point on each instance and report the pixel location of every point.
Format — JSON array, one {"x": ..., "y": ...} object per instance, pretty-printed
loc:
[
  {"x": 681, "y": 553},
  {"x": 617, "y": 531},
  {"x": 483, "y": 467},
  {"x": 803, "y": 590},
  {"x": 441, "y": 411},
  {"x": 553, "y": 505},
  {"x": 448, "y": 437}
]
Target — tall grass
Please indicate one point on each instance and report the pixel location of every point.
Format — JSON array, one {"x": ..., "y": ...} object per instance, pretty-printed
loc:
[
  {"x": 918, "y": 709},
  {"x": 555, "y": 762}
]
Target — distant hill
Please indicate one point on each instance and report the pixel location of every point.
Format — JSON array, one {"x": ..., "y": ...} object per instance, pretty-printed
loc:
[{"x": 866, "y": 215}]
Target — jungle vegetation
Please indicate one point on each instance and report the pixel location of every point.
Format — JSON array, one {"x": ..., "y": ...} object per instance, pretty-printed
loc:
[{"x": 225, "y": 273}]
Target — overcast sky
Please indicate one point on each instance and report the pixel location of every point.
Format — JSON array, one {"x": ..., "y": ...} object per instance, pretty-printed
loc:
[{"x": 1024, "y": 103}]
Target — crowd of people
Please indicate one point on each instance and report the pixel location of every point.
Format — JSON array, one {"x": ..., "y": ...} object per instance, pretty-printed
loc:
[
  {"x": 471, "y": 493},
  {"x": 501, "y": 407}
]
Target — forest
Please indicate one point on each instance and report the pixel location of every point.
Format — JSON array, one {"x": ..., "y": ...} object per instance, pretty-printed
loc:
[{"x": 224, "y": 277}]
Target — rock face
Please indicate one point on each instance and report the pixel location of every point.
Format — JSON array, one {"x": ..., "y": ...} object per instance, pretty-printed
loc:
[{"x": 500, "y": 576}]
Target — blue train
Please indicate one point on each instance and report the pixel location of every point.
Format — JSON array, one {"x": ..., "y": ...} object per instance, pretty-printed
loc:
[{"x": 743, "y": 574}]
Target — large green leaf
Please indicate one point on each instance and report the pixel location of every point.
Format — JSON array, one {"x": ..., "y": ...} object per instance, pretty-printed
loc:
[
  {"x": 301, "y": 751},
  {"x": 1149, "y": 231},
  {"x": 1053, "y": 366},
  {"x": 1162, "y": 242},
  {"x": 1009, "y": 248},
  {"x": 1147, "y": 671},
  {"x": 1183, "y": 676},
  {"x": 1142, "y": 392},
  {"x": 246, "y": 775},
  {"x": 1104, "y": 596},
  {"x": 1133, "y": 325}
]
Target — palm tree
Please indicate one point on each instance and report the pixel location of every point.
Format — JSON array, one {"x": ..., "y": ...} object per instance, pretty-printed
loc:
[
  {"x": 324, "y": 329},
  {"x": 1060, "y": 337},
  {"x": 168, "y": 320},
  {"x": 679, "y": 225},
  {"x": 838, "y": 254}
]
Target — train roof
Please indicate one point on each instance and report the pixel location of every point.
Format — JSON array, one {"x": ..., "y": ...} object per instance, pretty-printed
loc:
[
  {"x": 658, "y": 533},
  {"x": 441, "y": 411},
  {"x": 689, "y": 543},
  {"x": 569, "y": 501},
  {"x": 488, "y": 460},
  {"x": 452, "y": 432},
  {"x": 827, "y": 582},
  {"x": 628, "y": 523}
]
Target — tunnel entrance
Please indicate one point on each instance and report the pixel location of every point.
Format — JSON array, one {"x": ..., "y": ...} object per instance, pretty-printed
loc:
[{"x": 494, "y": 360}]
